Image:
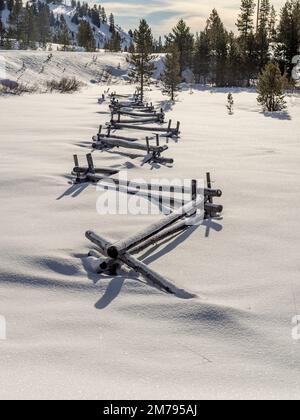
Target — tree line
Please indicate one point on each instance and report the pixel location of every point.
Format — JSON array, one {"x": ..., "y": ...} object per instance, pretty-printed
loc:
[
  {"x": 223, "y": 58},
  {"x": 262, "y": 49}
]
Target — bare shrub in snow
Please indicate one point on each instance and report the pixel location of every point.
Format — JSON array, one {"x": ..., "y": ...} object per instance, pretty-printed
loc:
[
  {"x": 65, "y": 85},
  {"x": 11, "y": 87}
]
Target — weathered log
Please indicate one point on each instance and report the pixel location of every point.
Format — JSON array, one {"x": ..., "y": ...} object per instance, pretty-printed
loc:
[
  {"x": 152, "y": 119},
  {"x": 152, "y": 276},
  {"x": 136, "y": 106},
  {"x": 153, "y": 187},
  {"x": 141, "y": 114},
  {"x": 138, "y": 266},
  {"x": 125, "y": 245},
  {"x": 166, "y": 233},
  {"x": 132, "y": 145},
  {"x": 213, "y": 209},
  {"x": 101, "y": 243},
  {"x": 167, "y": 130}
]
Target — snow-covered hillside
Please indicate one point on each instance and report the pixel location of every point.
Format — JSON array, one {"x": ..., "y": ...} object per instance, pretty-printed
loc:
[
  {"x": 102, "y": 34},
  {"x": 37, "y": 67}
]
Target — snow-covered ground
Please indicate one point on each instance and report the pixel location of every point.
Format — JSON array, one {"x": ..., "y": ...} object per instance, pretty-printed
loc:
[
  {"x": 38, "y": 67},
  {"x": 74, "y": 334}
]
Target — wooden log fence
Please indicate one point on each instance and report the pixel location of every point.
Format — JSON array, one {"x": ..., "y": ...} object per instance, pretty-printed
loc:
[
  {"x": 122, "y": 252},
  {"x": 139, "y": 267},
  {"x": 169, "y": 131}
]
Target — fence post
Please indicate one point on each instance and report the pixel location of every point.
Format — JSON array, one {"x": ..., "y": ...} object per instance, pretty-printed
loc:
[
  {"x": 90, "y": 163},
  {"x": 76, "y": 161},
  {"x": 148, "y": 145}
]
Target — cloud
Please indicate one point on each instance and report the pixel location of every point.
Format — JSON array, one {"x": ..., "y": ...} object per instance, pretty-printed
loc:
[{"x": 162, "y": 15}]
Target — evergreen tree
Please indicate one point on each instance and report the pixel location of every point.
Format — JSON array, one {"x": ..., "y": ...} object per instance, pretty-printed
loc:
[
  {"x": 233, "y": 62},
  {"x": 141, "y": 59},
  {"x": 85, "y": 36},
  {"x": 111, "y": 23},
  {"x": 271, "y": 89},
  {"x": 2, "y": 34},
  {"x": 103, "y": 15},
  {"x": 29, "y": 33},
  {"x": 201, "y": 59},
  {"x": 245, "y": 21},
  {"x": 245, "y": 25},
  {"x": 64, "y": 36},
  {"x": 15, "y": 18},
  {"x": 171, "y": 77},
  {"x": 218, "y": 38},
  {"x": 160, "y": 45},
  {"x": 43, "y": 25},
  {"x": 289, "y": 34},
  {"x": 115, "y": 43},
  {"x": 75, "y": 19},
  {"x": 95, "y": 17},
  {"x": 263, "y": 33},
  {"x": 182, "y": 37},
  {"x": 272, "y": 30}
]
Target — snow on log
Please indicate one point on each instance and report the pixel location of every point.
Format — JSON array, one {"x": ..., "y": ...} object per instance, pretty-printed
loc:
[{"x": 125, "y": 245}]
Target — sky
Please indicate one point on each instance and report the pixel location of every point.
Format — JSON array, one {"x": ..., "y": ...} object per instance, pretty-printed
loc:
[{"x": 162, "y": 15}]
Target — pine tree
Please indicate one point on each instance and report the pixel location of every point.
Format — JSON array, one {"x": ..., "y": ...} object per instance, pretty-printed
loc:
[
  {"x": 272, "y": 30},
  {"x": 64, "y": 36},
  {"x": 75, "y": 19},
  {"x": 85, "y": 36},
  {"x": 271, "y": 89},
  {"x": 171, "y": 77},
  {"x": 263, "y": 33},
  {"x": 2, "y": 34},
  {"x": 218, "y": 38},
  {"x": 103, "y": 15},
  {"x": 233, "y": 63},
  {"x": 112, "y": 23},
  {"x": 182, "y": 37},
  {"x": 141, "y": 60},
  {"x": 15, "y": 18},
  {"x": 115, "y": 42},
  {"x": 95, "y": 17},
  {"x": 44, "y": 25},
  {"x": 289, "y": 34},
  {"x": 245, "y": 21},
  {"x": 201, "y": 59},
  {"x": 245, "y": 25}
]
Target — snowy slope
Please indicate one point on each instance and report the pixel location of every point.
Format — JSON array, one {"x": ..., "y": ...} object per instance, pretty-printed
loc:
[
  {"x": 35, "y": 67},
  {"x": 73, "y": 334},
  {"x": 102, "y": 34}
]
